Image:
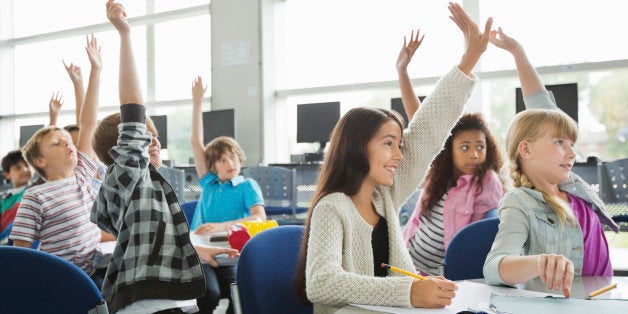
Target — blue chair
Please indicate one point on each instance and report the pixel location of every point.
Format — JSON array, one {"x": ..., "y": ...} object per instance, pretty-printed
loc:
[
  {"x": 38, "y": 282},
  {"x": 265, "y": 272},
  {"x": 188, "y": 210},
  {"x": 467, "y": 251}
]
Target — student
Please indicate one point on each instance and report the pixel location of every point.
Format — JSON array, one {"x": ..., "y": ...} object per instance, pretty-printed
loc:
[
  {"x": 16, "y": 170},
  {"x": 56, "y": 213},
  {"x": 461, "y": 186},
  {"x": 154, "y": 266},
  {"x": 550, "y": 223},
  {"x": 352, "y": 225},
  {"x": 226, "y": 197}
]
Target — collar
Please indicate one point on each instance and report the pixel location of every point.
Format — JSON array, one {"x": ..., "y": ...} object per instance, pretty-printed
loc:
[{"x": 213, "y": 178}]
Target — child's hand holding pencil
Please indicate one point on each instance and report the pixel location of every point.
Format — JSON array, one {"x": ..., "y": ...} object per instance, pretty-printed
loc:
[{"x": 428, "y": 292}]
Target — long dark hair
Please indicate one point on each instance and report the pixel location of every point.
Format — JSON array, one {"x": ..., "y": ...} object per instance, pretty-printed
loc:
[
  {"x": 441, "y": 173},
  {"x": 345, "y": 168}
]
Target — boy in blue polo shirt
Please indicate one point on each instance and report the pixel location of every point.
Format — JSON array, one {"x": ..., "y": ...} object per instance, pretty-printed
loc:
[{"x": 226, "y": 197}]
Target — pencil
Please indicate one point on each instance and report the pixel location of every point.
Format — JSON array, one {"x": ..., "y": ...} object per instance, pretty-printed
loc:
[
  {"x": 600, "y": 291},
  {"x": 401, "y": 271}
]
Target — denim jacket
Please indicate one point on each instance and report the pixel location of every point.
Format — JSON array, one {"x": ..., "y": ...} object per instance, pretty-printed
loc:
[{"x": 528, "y": 225}]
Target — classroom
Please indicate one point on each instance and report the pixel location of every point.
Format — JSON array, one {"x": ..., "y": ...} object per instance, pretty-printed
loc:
[{"x": 278, "y": 77}]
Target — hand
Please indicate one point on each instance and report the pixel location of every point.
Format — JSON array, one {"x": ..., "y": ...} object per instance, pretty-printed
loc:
[
  {"x": 434, "y": 292},
  {"x": 557, "y": 271},
  {"x": 117, "y": 16},
  {"x": 93, "y": 52},
  {"x": 56, "y": 101},
  {"x": 209, "y": 228},
  {"x": 208, "y": 254},
  {"x": 74, "y": 72},
  {"x": 408, "y": 50},
  {"x": 197, "y": 89},
  {"x": 503, "y": 41},
  {"x": 476, "y": 41}
]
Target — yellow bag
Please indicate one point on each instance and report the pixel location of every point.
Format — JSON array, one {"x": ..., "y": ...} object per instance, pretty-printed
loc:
[{"x": 255, "y": 227}]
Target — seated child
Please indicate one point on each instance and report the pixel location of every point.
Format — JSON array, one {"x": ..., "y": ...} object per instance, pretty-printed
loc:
[
  {"x": 14, "y": 168},
  {"x": 226, "y": 197},
  {"x": 551, "y": 222},
  {"x": 154, "y": 266},
  {"x": 56, "y": 213}
]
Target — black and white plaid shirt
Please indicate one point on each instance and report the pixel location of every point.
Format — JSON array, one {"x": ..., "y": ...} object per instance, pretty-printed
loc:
[{"x": 153, "y": 257}]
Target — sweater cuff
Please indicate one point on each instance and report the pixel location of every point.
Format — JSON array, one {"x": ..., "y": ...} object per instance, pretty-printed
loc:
[{"x": 132, "y": 113}]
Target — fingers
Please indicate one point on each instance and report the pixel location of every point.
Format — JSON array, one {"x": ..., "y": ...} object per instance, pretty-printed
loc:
[{"x": 568, "y": 279}]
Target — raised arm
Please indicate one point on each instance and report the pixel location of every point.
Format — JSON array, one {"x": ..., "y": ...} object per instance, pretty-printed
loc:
[
  {"x": 79, "y": 90},
  {"x": 528, "y": 76},
  {"x": 129, "y": 83},
  {"x": 89, "y": 109},
  {"x": 198, "y": 148},
  {"x": 54, "y": 105},
  {"x": 476, "y": 41},
  {"x": 410, "y": 101}
]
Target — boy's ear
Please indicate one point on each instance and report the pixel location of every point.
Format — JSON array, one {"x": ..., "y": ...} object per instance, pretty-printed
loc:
[
  {"x": 109, "y": 152},
  {"x": 6, "y": 175},
  {"x": 40, "y": 162},
  {"x": 524, "y": 149}
]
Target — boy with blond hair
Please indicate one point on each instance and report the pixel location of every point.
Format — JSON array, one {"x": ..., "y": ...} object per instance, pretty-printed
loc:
[{"x": 56, "y": 213}]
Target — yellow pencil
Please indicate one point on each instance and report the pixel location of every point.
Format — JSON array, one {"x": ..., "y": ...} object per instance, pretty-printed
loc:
[
  {"x": 401, "y": 271},
  {"x": 600, "y": 291}
]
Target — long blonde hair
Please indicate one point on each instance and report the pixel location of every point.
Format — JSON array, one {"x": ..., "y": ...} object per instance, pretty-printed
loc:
[{"x": 531, "y": 125}]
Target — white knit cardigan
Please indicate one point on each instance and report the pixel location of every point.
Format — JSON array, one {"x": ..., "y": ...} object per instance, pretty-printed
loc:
[{"x": 339, "y": 266}]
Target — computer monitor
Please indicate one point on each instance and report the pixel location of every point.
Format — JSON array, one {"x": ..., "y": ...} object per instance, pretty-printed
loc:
[
  {"x": 566, "y": 96},
  {"x": 27, "y": 131},
  {"x": 316, "y": 121},
  {"x": 218, "y": 123},
  {"x": 161, "y": 123},
  {"x": 397, "y": 105}
]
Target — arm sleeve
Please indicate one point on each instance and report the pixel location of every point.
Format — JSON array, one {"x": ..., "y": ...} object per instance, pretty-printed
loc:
[
  {"x": 540, "y": 100},
  {"x": 428, "y": 130},
  {"x": 326, "y": 280},
  {"x": 510, "y": 240}
]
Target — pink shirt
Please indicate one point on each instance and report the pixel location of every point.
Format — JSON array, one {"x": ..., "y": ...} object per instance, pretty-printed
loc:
[
  {"x": 596, "y": 261},
  {"x": 462, "y": 206}
]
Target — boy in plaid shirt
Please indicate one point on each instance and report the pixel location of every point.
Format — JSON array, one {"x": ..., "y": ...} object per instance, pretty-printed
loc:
[{"x": 154, "y": 265}]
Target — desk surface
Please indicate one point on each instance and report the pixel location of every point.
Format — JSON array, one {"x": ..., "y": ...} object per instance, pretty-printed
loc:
[
  {"x": 106, "y": 248},
  {"x": 581, "y": 288}
]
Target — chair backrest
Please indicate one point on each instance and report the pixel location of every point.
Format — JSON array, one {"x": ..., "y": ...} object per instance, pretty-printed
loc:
[
  {"x": 38, "y": 282},
  {"x": 278, "y": 185},
  {"x": 265, "y": 272},
  {"x": 617, "y": 185},
  {"x": 467, "y": 251},
  {"x": 591, "y": 171},
  {"x": 188, "y": 209}
]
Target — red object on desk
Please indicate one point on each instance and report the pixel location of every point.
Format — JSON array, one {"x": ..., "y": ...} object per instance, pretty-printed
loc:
[{"x": 237, "y": 236}]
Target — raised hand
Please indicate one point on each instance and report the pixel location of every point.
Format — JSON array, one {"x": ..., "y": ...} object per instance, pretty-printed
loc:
[
  {"x": 93, "y": 51},
  {"x": 56, "y": 101},
  {"x": 476, "y": 41},
  {"x": 74, "y": 72},
  {"x": 503, "y": 41},
  {"x": 198, "y": 90},
  {"x": 117, "y": 16},
  {"x": 408, "y": 49}
]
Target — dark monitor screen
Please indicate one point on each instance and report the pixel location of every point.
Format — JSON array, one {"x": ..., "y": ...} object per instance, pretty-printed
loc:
[
  {"x": 161, "y": 123},
  {"x": 566, "y": 96},
  {"x": 397, "y": 105},
  {"x": 27, "y": 131},
  {"x": 218, "y": 123},
  {"x": 315, "y": 122}
]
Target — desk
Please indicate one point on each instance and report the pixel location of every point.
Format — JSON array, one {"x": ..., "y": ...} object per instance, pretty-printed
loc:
[
  {"x": 581, "y": 288},
  {"x": 106, "y": 248}
]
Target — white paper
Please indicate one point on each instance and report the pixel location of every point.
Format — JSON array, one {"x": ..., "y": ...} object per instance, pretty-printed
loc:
[{"x": 469, "y": 295}]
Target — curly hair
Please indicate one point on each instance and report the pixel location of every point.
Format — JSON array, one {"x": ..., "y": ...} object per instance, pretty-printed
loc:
[{"x": 440, "y": 176}]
